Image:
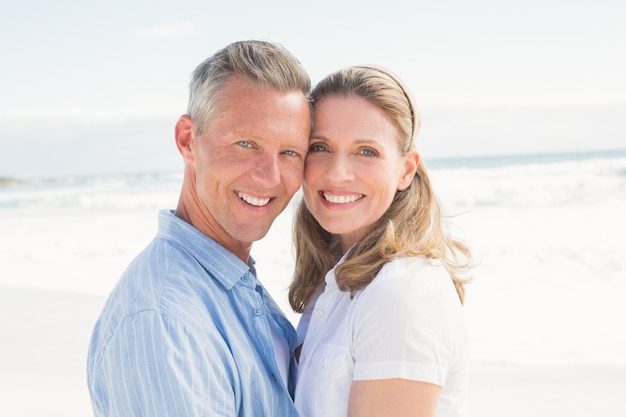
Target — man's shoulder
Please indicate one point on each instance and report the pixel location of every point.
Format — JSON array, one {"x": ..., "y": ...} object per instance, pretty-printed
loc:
[
  {"x": 161, "y": 270},
  {"x": 161, "y": 285},
  {"x": 167, "y": 279}
]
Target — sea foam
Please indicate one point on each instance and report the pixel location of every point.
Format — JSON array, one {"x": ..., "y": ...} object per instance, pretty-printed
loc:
[{"x": 547, "y": 235}]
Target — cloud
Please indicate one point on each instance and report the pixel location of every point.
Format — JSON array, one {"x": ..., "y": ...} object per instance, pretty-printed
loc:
[
  {"x": 167, "y": 31},
  {"x": 529, "y": 101},
  {"x": 84, "y": 115}
]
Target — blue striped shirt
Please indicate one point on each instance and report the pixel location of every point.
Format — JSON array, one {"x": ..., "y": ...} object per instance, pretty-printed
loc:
[{"x": 186, "y": 332}]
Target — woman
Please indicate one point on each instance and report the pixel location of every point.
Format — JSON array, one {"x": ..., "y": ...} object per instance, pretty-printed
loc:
[{"x": 377, "y": 279}]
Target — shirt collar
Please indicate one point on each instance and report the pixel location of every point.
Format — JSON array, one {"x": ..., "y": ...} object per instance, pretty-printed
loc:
[
  {"x": 227, "y": 268},
  {"x": 330, "y": 275}
]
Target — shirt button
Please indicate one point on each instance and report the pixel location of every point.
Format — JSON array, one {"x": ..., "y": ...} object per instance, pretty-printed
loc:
[
  {"x": 257, "y": 311},
  {"x": 245, "y": 278},
  {"x": 319, "y": 313}
]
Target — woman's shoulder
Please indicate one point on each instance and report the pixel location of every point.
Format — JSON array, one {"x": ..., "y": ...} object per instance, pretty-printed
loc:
[
  {"x": 410, "y": 293},
  {"x": 416, "y": 269},
  {"x": 410, "y": 279}
]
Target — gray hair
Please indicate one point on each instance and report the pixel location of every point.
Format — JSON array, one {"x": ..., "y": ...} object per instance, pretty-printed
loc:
[{"x": 266, "y": 63}]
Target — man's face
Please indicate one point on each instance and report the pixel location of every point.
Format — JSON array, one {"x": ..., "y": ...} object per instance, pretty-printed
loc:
[{"x": 249, "y": 162}]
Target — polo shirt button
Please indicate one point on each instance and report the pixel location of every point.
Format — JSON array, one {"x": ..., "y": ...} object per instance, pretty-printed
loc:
[
  {"x": 257, "y": 311},
  {"x": 319, "y": 313}
]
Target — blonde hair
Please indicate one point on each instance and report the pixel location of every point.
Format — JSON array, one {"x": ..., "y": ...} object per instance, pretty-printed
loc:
[
  {"x": 411, "y": 226},
  {"x": 265, "y": 63}
]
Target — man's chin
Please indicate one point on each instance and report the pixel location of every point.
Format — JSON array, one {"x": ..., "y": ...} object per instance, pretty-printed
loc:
[{"x": 252, "y": 235}]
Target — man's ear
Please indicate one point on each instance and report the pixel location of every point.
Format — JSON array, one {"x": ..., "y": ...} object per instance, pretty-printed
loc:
[
  {"x": 411, "y": 162},
  {"x": 184, "y": 137}
]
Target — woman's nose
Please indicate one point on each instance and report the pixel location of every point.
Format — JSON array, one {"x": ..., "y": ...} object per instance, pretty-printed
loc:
[{"x": 340, "y": 169}]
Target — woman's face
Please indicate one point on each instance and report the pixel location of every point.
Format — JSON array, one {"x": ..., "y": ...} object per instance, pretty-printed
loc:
[{"x": 353, "y": 167}]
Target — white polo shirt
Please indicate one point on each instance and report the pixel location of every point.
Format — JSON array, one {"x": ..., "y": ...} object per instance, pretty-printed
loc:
[{"x": 407, "y": 323}]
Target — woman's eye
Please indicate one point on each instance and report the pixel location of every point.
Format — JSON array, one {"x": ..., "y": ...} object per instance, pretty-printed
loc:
[
  {"x": 244, "y": 144},
  {"x": 317, "y": 148},
  {"x": 368, "y": 152}
]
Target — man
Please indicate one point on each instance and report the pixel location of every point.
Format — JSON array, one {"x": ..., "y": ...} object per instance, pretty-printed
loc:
[{"x": 189, "y": 330}]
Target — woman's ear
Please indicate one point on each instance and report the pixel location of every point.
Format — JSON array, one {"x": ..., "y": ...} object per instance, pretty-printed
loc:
[
  {"x": 184, "y": 136},
  {"x": 411, "y": 162}
]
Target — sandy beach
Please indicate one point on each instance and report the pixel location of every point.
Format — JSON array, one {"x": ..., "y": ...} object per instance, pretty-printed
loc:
[
  {"x": 545, "y": 308},
  {"x": 45, "y": 336}
]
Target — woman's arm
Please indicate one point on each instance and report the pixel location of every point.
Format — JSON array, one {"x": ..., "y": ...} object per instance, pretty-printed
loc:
[{"x": 393, "y": 398}]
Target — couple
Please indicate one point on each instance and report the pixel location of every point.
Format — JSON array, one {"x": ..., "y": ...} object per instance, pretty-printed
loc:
[{"x": 189, "y": 329}]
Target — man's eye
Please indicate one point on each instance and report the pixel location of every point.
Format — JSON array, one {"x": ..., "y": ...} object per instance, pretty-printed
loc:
[
  {"x": 244, "y": 144},
  {"x": 291, "y": 153}
]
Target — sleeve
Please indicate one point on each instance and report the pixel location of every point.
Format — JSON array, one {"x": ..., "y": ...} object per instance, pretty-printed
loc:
[
  {"x": 405, "y": 326},
  {"x": 154, "y": 366}
]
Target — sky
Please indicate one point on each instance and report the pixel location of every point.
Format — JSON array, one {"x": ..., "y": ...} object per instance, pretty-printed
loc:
[{"x": 96, "y": 87}]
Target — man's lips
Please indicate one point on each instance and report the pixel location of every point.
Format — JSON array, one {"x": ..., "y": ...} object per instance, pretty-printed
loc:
[{"x": 253, "y": 201}]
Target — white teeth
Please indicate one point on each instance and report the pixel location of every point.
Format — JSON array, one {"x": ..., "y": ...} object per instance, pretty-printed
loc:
[
  {"x": 342, "y": 199},
  {"x": 259, "y": 202}
]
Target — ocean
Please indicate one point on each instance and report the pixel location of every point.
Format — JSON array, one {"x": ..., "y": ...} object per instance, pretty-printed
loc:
[{"x": 547, "y": 231}]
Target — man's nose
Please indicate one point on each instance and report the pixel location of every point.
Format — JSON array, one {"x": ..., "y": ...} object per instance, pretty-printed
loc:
[{"x": 267, "y": 170}]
